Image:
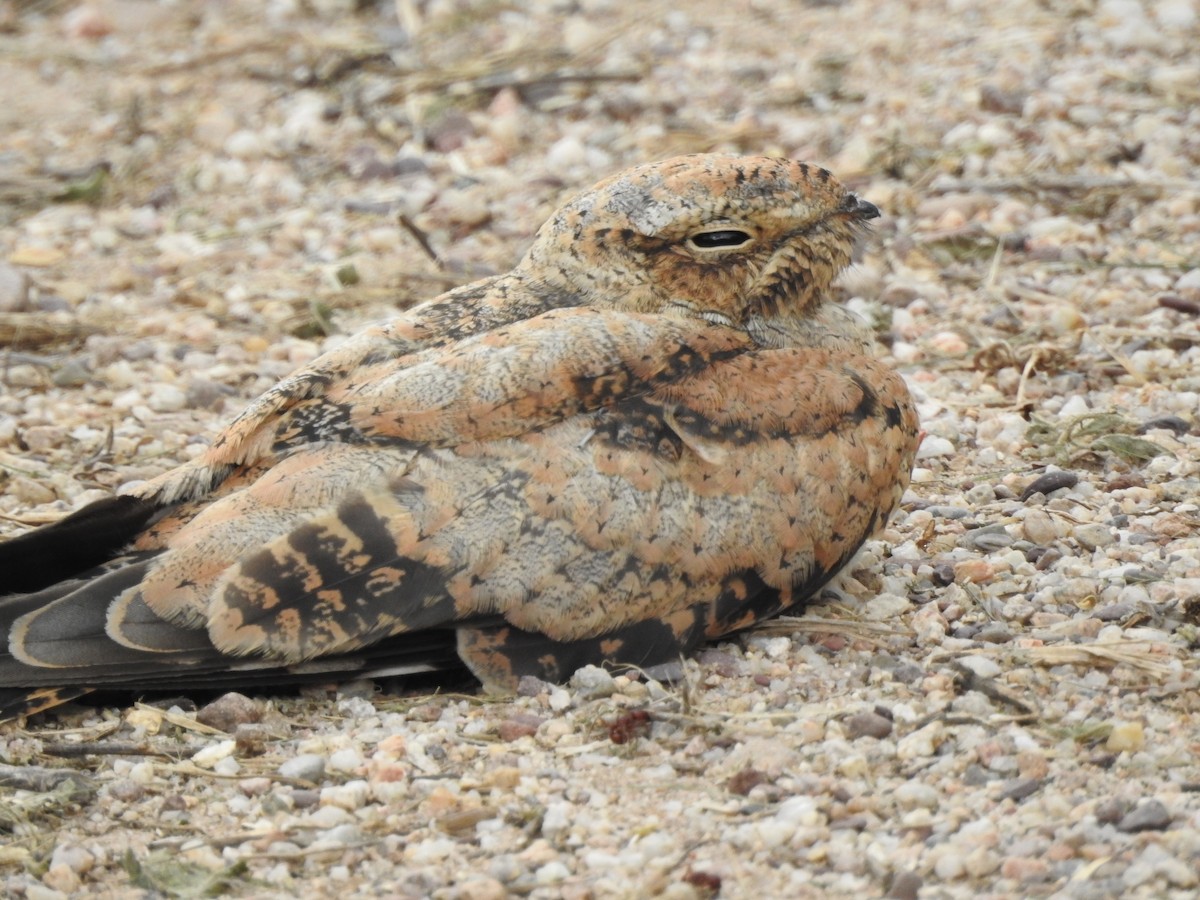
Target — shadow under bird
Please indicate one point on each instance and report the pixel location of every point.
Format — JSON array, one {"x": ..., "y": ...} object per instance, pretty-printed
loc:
[{"x": 654, "y": 431}]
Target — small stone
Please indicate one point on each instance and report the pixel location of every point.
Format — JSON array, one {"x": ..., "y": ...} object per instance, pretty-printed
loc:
[
  {"x": 305, "y": 767},
  {"x": 74, "y": 857},
  {"x": 1126, "y": 737},
  {"x": 744, "y": 781},
  {"x": 252, "y": 738},
  {"x": 518, "y": 726},
  {"x": 552, "y": 873},
  {"x": 592, "y": 682},
  {"x": 229, "y": 711},
  {"x": 29, "y": 491},
  {"x": 126, "y": 790},
  {"x": 1048, "y": 483},
  {"x": 349, "y": 796},
  {"x": 347, "y": 759},
  {"x": 934, "y": 446},
  {"x": 481, "y": 888},
  {"x": 987, "y": 539},
  {"x": 994, "y": 633},
  {"x": 1093, "y": 535},
  {"x": 1021, "y": 868},
  {"x": 61, "y": 879},
  {"x": 209, "y": 756},
  {"x": 1039, "y": 527},
  {"x": 905, "y": 886},
  {"x": 531, "y": 686},
  {"x": 254, "y": 787},
  {"x": 166, "y": 398},
  {"x": 1020, "y": 789},
  {"x": 87, "y": 21},
  {"x": 915, "y": 795},
  {"x": 1149, "y": 816},
  {"x": 921, "y": 743},
  {"x": 14, "y": 289},
  {"x": 868, "y": 724},
  {"x": 974, "y": 571}
]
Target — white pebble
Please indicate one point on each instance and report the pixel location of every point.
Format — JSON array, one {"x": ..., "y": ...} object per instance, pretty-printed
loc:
[
  {"x": 166, "y": 398},
  {"x": 934, "y": 446},
  {"x": 347, "y": 759},
  {"x": 306, "y": 767},
  {"x": 352, "y": 795},
  {"x": 214, "y": 753}
]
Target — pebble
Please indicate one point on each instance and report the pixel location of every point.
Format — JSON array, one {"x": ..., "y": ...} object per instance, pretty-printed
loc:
[
  {"x": 933, "y": 447},
  {"x": 1151, "y": 815},
  {"x": 166, "y": 398},
  {"x": 1126, "y": 737},
  {"x": 1038, "y": 527},
  {"x": 350, "y": 796},
  {"x": 987, "y": 539},
  {"x": 305, "y": 767},
  {"x": 14, "y": 289},
  {"x": 1093, "y": 535},
  {"x": 73, "y": 857},
  {"x": 868, "y": 724},
  {"x": 347, "y": 759},
  {"x": 1049, "y": 482},
  {"x": 208, "y": 757},
  {"x": 591, "y": 682},
  {"x": 229, "y": 711},
  {"x": 921, "y": 743}
]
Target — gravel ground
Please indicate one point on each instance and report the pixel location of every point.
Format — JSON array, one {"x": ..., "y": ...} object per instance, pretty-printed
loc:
[{"x": 999, "y": 699}]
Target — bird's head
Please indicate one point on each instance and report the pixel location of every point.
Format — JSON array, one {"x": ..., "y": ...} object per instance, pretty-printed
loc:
[{"x": 726, "y": 238}]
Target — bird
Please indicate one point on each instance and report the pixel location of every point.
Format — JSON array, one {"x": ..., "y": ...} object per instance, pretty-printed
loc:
[{"x": 656, "y": 430}]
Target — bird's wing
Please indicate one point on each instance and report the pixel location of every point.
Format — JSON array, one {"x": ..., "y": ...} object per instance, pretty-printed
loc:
[{"x": 581, "y": 486}]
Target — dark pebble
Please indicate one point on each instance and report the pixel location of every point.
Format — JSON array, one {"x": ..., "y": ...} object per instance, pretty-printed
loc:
[
  {"x": 1109, "y": 812},
  {"x": 1047, "y": 559},
  {"x": 1179, "y": 304},
  {"x": 518, "y": 726},
  {"x": 1114, "y": 612},
  {"x": 303, "y": 798},
  {"x": 744, "y": 781},
  {"x": 905, "y": 886},
  {"x": 868, "y": 724},
  {"x": 976, "y": 775},
  {"x": 943, "y": 574},
  {"x": 850, "y": 823},
  {"x": 948, "y": 512},
  {"x": 1049, "y": 482},
  {"x": 229, "y": 711},
  {"x": 1166, "y": 423},
  {"x": 987, "y": 539},
  {"x": 1149, "y": 816},
  {"x": 1021, "y": 788},
  {"x": 251, "y": 738},
  {"x": 994, "y": 633}
]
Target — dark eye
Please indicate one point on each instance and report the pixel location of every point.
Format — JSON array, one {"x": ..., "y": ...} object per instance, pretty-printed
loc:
[{"x": 716, "y": 240}]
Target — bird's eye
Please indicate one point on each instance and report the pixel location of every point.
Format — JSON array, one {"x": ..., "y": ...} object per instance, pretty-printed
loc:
[{"x": 720, "y": 239}]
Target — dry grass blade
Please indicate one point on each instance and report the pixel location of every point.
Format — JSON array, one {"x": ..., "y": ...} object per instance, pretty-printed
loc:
[
  {"x": 855, "y": 629},
  {"x": 27, "y": 330},
  {"x": 1144, "y": 656}
]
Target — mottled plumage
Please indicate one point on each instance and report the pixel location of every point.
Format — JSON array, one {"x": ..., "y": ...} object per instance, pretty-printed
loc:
[{"x": 652, "y": 432}]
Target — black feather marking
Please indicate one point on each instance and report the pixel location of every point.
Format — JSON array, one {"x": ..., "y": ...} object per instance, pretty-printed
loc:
[{"x": 83, "y": 540}]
